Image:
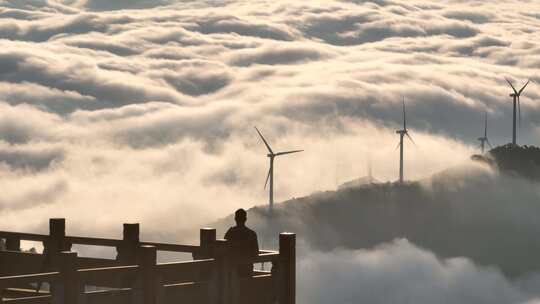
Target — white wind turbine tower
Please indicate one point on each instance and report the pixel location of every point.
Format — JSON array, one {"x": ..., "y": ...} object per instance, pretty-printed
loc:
[
  {"x": 402, "y": 133},
  {"x": 483, "y": 140},
  {"x": 515, "y": 96},
  {"x": 270, "y": 177}
]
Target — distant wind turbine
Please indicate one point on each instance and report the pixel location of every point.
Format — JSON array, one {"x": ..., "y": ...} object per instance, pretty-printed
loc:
[
  {"x": 483, "y": 140},
  {"x": 515, "y": 96},
  {"x": 270, "y": 177},
  {"x": 402, "y": 133}
]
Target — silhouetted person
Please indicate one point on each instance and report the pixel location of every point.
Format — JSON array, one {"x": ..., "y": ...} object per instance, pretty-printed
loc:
[{"x": 243, "y": 243}]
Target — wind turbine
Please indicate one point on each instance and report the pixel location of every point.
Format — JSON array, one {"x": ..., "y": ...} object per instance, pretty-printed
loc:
[
  {"x": 515, "y": 96},
  {"x": 271, "y": 155},
  {"x": 484, "y": 140},
  {"x": 403, "y": 132}
]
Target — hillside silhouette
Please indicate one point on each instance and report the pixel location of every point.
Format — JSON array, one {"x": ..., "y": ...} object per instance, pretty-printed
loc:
[
  {"x": 468, "y": 211},
  {"x": 514, "y": 160}
]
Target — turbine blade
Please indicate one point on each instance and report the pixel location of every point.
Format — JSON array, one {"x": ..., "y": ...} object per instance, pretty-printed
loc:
[
  {"x": 511, "y": 85},
  {"x": 267, "y": 178},
  {"x": 288, "y": 152},
  {"x": 397, "y": 146},
  {"x": 410, "y": 138},
  {"x": 519, "y": 93},
  {"x": 264, "y": 140}
]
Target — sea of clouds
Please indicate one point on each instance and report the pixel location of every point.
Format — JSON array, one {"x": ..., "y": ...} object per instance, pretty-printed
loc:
[{"x": 143, "y": 110}]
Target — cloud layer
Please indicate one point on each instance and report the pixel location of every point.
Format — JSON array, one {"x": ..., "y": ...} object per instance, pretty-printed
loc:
[{"x": 400, "y": 272}]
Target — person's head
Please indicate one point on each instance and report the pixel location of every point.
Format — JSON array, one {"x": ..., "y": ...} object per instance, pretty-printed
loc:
[{"x": 240, "y": 216}]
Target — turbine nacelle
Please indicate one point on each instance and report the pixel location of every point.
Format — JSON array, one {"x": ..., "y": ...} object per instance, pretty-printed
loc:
[{"x": 516, "y": 92}]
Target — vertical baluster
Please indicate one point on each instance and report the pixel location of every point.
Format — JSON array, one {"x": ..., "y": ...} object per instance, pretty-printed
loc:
[
  {"x": 149, "y": 279},
  {"x": 13, "y": 243},
  {"x": 127, "y": 250},
  {"x": 287, "y": 253},
  {"x": 207, "y": 240},
  {"x": 70, "y": 281}
]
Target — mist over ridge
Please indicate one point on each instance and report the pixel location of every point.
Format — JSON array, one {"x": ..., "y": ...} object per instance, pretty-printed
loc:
[{"x": 470, "y": 210}]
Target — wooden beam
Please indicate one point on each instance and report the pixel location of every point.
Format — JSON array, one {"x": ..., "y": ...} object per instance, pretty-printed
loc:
[
  {"x": 28, "y": 300},
  {"x": 82, "y": 240},
  {"x": 189, "y": 271},
  {"x": 88, "y": 263},
  {"x": 172, "y": 247},
  {"x": 193, "y": 292},
  {"x": 10, "y": 281},
  {"x": 22, "y": 292},
  {"x": 267, "y": 257},
  {"x": 17, "y": 262},
  {"x": 96, "y": 241},
  {"x": 112, "y": 277},
  {"x": 24, "y": 236},
  {"x": 116, "y": 296}
]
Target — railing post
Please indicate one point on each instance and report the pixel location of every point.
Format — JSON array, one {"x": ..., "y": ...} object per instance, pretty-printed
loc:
[
  {"x": 220, "y": 293},
  {"x": 149, "y": 279},
  {"x": 207, "y": 241},
  {"x": 127, "y": 250},
  {"x": 13, "y": 243},
  {"x": 287, "y": 254},
  {"x": 66, "y": 291},
  {"x": 57, "y": 234},
  {"x": 70, "y": 280}
]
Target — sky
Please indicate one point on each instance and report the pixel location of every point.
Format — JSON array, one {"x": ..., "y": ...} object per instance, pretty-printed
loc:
[{"x": 143, "y": 110}]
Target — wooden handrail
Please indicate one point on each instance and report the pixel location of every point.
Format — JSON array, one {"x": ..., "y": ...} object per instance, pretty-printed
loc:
[
  {"x": 107, "y": 276},
  {"x": 93, "y": 273},
  {"x": 184, "y": 263},
  {"x": 266, "y": 257},
  {"x": 172, "y": 247},
  {"x": 34, "y": 300},
  {"x": 94, "y": 241},
  {"x": 29, "y": 278},
  {"x": 267, "y": 251},
  {"x": 24, "y": 236},
  {"x": 188, "y": 271}
]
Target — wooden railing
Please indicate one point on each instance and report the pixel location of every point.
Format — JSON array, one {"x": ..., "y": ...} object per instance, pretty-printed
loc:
[{"x": 135, "y": 276}]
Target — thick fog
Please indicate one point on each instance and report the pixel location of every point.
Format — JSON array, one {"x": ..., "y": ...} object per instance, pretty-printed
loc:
[
  {"x": 117, "y": 111},
  {"x": 399, "y": 272}
]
